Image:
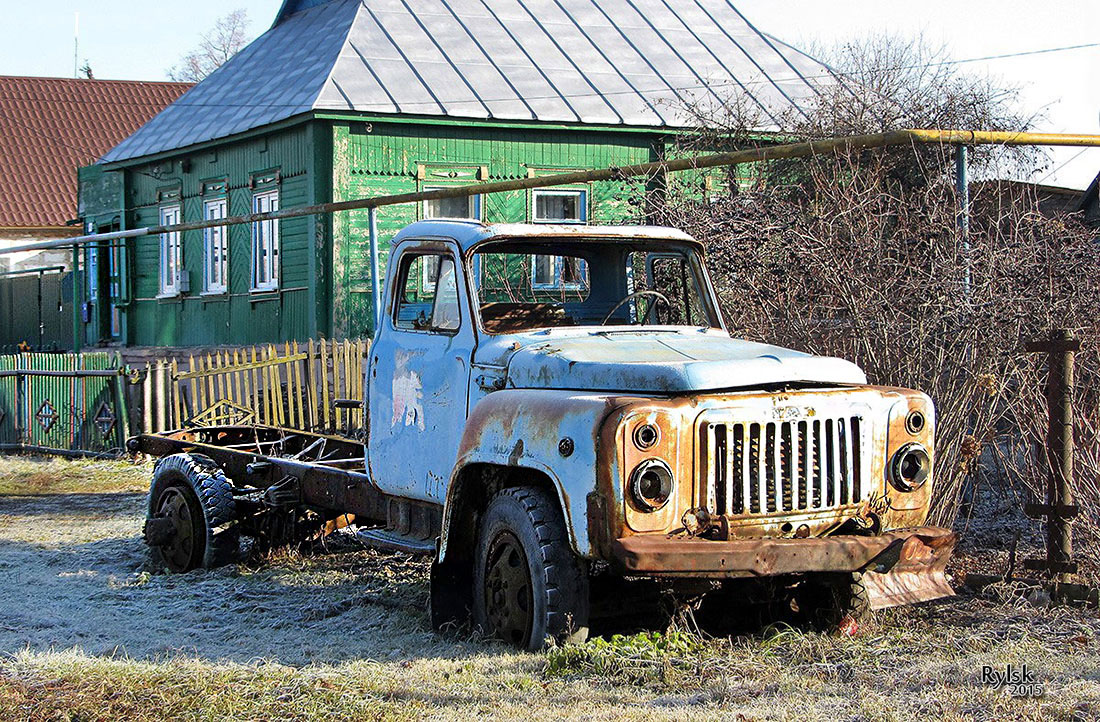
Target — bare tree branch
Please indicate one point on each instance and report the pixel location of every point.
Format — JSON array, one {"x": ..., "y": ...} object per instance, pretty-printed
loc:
[
  {"x": 217, "y": 46},
  {"x": 860, "y": 255}
]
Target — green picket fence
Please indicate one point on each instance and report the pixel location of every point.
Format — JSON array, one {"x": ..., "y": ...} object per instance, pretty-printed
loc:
[{"x": 63, "y": 403}]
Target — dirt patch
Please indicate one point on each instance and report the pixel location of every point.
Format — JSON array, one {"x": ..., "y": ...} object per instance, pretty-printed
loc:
[{"x": 87, "y": 630}]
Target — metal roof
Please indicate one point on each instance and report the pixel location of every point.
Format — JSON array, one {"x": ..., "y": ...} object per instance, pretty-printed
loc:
[{"x": 603, "y": 62}]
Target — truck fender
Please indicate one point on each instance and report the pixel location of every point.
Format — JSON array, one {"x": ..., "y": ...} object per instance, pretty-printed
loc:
[{"x": 552, "y": 433}]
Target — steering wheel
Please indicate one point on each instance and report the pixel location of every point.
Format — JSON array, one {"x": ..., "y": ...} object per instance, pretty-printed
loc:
[{"x": 659, "y": 297}]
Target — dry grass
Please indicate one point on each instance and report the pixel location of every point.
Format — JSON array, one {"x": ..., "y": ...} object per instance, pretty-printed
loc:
[
  {"x": 87, "y": 632},
  {"x": 25, "y": 475}
]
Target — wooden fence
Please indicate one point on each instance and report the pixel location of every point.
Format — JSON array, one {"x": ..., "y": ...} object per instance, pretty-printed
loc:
[{"x": 316, "y": 386}]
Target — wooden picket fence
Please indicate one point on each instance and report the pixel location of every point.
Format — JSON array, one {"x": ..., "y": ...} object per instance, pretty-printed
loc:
[{"x": 316, "y": 386}]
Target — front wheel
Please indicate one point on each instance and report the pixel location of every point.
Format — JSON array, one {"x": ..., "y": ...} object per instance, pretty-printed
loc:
[
  {"x": 529, "y": 586},
  {"x": 829, "y": 599}
]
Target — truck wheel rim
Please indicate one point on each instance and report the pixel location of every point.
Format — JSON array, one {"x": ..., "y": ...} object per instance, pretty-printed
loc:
[
  {"x": 508, "y": 602},
  {"x": 178, "y": 550}
]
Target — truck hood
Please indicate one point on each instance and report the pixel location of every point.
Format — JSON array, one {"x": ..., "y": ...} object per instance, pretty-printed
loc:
[{"x": 662, "y": 361}]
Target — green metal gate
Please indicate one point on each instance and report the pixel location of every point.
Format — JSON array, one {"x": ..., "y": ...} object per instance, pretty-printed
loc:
[
  {"x": 36, "y": 309},
  {"x": 63, "y": 403}
]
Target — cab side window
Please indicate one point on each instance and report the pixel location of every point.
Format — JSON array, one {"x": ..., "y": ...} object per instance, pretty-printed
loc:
[{"x": 428, "y": 300}]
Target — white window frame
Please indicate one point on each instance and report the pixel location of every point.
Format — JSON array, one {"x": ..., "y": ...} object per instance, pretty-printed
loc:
[
  {"x": 556, "y": 266},
  {"x": 473, "y": 205},
  {"x": 215, "y": 247},
  {"x": 582, "y": 205},
  {"x": 171, "y": 252},
  {"x": 265, "y": 242},
  {"x": 429, "y": 274}
]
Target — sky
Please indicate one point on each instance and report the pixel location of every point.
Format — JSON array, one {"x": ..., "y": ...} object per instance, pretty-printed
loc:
[{"x": 123, "y": 39}]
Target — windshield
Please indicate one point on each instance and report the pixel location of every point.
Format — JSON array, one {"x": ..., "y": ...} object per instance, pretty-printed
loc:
[{"x": 526, "y": 286}]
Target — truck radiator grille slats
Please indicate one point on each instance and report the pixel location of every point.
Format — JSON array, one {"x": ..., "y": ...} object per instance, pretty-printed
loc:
[{"x": 782, "y": 467}]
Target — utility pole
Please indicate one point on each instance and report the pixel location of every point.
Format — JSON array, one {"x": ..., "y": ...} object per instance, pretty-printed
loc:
[
  {"x": 375, "y": 281},
  {"x": 76, "y": 44},
  {"x": 962, "y": 190}
]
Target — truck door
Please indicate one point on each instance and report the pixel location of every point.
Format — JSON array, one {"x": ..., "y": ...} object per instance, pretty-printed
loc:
[{"x": 419, "y": 375}]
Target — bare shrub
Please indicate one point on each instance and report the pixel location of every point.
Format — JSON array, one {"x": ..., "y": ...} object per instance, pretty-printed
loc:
[
  {"x": 859, "y": 254},
  {"x": 854, "y": 262},
  {"x": 880, "y": 83}
]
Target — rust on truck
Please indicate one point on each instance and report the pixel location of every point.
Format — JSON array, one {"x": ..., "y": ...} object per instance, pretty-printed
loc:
[
  {"x": 547, "y": 403},
  {"x": 777, "y": 473}
]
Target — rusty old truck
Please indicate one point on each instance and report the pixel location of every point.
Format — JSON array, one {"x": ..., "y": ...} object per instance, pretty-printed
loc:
[{"x": 546, "y": 405}]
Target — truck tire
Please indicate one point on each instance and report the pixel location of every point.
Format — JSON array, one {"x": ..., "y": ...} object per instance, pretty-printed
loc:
[
  {"x": 529, "y": 586},
  {"x": 831, "y": 598},
  {"x": 852, "y": 599},
  {"x": 191, "y": 514}
]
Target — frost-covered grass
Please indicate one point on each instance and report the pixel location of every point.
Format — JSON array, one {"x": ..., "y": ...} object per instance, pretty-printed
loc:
[{"x": 88, "y": 631}]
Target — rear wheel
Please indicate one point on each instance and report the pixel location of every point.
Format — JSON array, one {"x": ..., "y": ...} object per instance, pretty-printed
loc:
[
  {"x": 529, "y": 586},
  {"x": 191, "y": 514}
]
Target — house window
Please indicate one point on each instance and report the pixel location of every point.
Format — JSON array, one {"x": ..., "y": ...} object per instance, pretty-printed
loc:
[
  {"x": 430, "y": 271},
  {"x": 171, "y": 259},
  {"x": 554, "y": 206},
  {"x": 551, "y": 272},
  {"x": 265, "y": 243},
  {"x": 214, "y": 248},
  {"x": 460, "y": 207}
]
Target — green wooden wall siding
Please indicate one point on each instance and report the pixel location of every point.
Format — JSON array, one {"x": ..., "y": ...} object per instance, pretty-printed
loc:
[
  {"x": 382, "y": 159},
  {"x": 101, "y": 209},
  {"x": 238, "y": 316},
  {"x": 325, "y": 260}
]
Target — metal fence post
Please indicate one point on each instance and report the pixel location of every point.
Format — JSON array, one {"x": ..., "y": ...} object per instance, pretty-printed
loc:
[
  {"x": 962, "y": 189},
  {"x": 19, "y": 417},
  {"x": 78, "y": 301},
  {"x": 375, "y": 281},
  {"x": 1059, "y": 508}
]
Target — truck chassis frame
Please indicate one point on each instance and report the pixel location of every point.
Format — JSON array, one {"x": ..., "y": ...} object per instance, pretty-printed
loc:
[{"x": 326, "y": 474}]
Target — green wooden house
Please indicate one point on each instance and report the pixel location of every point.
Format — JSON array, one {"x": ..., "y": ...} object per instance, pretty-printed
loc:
[{"x": 342, "y": 99}]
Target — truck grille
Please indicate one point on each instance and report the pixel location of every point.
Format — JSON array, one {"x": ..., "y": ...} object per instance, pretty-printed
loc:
[{"x": 778, "y": 467}]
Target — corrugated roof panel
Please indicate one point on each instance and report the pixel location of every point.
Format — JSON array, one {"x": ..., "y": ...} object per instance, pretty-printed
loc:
[
  {"x": 566, "y": 71},
  {"x": 606, "y": 62},
  {"x": 613, "y": 65},
  {"x": 416, "y": 39},
  {"x": 460, "y": 46}
]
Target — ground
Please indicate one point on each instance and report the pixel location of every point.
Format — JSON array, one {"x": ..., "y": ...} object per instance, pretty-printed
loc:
[{"x": 89, "y": 631}]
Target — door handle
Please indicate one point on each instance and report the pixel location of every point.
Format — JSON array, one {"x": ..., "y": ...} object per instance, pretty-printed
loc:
[{"x": 490, "y": 383}]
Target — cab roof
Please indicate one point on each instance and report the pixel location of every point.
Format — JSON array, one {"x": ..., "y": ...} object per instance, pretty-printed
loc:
[{"x": 469, "y": 233}]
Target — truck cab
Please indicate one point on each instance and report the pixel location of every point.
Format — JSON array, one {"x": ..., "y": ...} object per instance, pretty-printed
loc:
[{"x": 549, "y": 403}]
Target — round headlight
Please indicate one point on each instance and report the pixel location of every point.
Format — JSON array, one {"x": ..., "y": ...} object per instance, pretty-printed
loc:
[
  {"x": 915, "y": 422},
  {"x": 910, "y": 467},
  {"x": 646, "y": 436},
  {"x": 651, "y": 485}
]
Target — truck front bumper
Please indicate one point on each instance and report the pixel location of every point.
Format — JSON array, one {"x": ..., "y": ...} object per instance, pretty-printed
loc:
[{"x": 903, "y": 566}]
